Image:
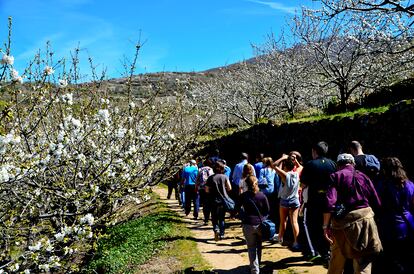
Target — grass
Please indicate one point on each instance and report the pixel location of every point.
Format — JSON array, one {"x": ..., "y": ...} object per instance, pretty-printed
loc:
[
  {"x": 159, "y": 234},
  {"x": 311, "y": 116},
  {"x": 318, "y": 117},
  {"x": 219, "y": 133}
]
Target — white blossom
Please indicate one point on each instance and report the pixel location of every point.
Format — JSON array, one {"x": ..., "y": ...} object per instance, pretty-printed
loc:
[
  {"x": 7, "y": 60},
  {"x": 67, "y": 250},
  {"x": 120, "y": 133},
  {"x": 63, "y": 83},
  {"x": 14, "y": 267},
  {"x": 36, "y": 247},
  {"x": 60, "y": 236},
  {"x": 68, "y": 98},
  {"x": 48, "y": 70},
  {"x": 103, "y": 115},
  {"x": 132, "y": 105},
  {"x": 87, "y": 219},
  {"x": 44, "y": 267},
  {"x": 4, "y": 174}
]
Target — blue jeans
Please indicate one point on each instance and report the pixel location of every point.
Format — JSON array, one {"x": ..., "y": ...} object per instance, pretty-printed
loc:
[
  {"x": 253, "y": 237},
  {"x": 217, "y": 217}
]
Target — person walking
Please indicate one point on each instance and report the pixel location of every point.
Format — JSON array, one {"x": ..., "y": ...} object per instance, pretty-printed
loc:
[
  {"x": 248, "y": 170},
  {"x": 236, "y": 178},
  {"x": 289, "y": 198},
  {"x": 366, "y": 163},
  {"x": 256, "y": 208},
  {"x": 203, "y": 173},
  {"x": 173, "y": 185},
  {"x": 267, "y": 177},
  {"x": 217, "y": 187},
  {"x": 190, "y": 173},
  {"x": 348, "y": 219},
  {"x": 315, "y": 176},
  {"x": 396, "y": 218},
  {"x": 258, "y": 165}
]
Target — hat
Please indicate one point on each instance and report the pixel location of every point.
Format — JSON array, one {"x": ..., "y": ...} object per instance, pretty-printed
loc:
[
  {"x": 345, "y": 157},
  {"x": 193, "y": 162}
]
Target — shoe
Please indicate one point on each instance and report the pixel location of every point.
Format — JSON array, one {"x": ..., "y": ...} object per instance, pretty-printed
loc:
[
  {"x": 216, "y": 236},
  {"x": 277, "y": 239},
  {"x": 195, "y": 218},
  {"x": 315, "y": 259},
  {"x": 205, "y": 222},
  {"x": 295, "y": 247}
]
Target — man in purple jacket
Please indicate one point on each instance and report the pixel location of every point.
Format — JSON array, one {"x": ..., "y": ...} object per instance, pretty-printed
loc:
[{"x": 351, "y": 231}]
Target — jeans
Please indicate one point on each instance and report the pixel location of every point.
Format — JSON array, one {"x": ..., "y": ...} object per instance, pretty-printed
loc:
[
  {"x": 253, "y": 237},
  {"x": 217, "y": 217},
  {"x": 205, "y": 201}
]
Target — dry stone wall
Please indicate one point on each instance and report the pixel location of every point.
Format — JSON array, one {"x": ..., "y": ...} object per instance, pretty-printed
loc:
[{"x": 386, "y": 134}]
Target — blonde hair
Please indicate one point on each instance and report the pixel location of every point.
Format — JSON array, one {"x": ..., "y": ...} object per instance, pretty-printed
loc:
[
  {"x": 252, "y": 184},
  {"x": 268, "y": 161},
  {"x": 248, "y": 170}
]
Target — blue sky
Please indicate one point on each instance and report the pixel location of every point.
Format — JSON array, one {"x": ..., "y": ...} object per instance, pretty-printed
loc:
[{"x": 179, "y": 35}]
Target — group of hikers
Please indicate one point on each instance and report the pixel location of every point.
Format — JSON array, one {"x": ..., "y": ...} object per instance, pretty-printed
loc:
[{"x": 355, "y": 214}]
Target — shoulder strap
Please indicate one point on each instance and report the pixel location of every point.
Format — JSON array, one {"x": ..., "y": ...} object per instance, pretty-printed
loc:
[
  {"x": 224, "y": 194},
  {"x": 257, "y": 209}
]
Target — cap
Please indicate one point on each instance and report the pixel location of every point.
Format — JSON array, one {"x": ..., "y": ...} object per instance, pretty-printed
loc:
[{"x": 193, "y": 162}]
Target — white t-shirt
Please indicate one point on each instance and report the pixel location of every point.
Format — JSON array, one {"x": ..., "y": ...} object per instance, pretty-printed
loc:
[{"x": 243, "y": 186}]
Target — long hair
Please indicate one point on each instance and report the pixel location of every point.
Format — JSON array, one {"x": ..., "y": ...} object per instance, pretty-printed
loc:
[
  {"x": 248, "y": 170},
  {"x": 392, "y": 169},
  {"x": 268, "y": 162},
  {"x": 252, "y": 185}
]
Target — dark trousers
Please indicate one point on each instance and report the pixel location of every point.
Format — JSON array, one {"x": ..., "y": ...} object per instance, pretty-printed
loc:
[
  {"x": 274, "y": 208},
  {"x": 314, "y": 222},
  {"x": 204, "y": 201},
  {"x": 191, "y": 196},
  {"x": 173, "y": 186},
  {"x": 234, "y": 194}
]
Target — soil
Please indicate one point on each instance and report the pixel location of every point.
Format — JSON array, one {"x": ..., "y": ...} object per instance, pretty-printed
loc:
[{"x": 230, "y": 254}]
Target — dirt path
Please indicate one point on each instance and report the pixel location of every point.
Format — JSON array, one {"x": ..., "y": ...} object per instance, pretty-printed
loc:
[{"x": 230, "y": 254}]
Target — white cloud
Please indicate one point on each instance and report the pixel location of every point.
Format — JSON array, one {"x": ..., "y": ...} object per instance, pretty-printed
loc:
[{"x": 277, "y": 6}]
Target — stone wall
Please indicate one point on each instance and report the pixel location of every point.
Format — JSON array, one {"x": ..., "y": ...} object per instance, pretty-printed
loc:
[{"x": 386, "y": 134}]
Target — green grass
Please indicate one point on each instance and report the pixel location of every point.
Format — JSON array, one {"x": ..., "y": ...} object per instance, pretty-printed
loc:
[
  {"x": 219, "y": 133},
  {"x": 318, "y": 117},
  {"x": 161, "y": 233}
]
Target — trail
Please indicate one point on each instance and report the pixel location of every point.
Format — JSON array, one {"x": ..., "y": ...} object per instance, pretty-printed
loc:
[{"x": 230, "y": 254}]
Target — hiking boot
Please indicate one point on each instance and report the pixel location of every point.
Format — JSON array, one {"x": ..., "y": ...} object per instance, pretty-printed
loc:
[{"x": 216, "y": 236}]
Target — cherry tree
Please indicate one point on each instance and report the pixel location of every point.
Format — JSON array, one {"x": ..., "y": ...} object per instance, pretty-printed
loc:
[
  {"x": 385, "y": 6},
  {"x": 244, "y": 91},
  {"x": 71, "y": 155},
  {"x": 292, "y": 73},
  {"x": 350, "y": 53}
]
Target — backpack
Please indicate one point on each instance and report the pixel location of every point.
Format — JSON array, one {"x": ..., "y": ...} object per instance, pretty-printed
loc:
[
  {"x": 372, "y": 164},
  {"x": 203, "y": 176}
]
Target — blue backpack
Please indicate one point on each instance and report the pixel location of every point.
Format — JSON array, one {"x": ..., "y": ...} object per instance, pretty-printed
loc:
[{"x": 372, "y": 164}]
